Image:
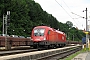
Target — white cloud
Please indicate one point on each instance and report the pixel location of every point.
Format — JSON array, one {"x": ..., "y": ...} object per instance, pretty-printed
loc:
[{"x": 63, "y": 15}]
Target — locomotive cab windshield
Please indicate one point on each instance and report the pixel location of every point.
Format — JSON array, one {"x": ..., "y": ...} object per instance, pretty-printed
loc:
[{"x": 39, "y": 32}]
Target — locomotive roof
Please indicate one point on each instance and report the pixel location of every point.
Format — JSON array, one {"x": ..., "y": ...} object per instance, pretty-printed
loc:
[
  {"x": 50, "y": 29},
  {"x": 42, "y": 27}
]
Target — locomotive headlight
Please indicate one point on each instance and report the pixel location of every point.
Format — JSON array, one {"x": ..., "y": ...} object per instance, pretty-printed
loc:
[
  {"x": 44, "y": 38},
  {"x": 31, "y": 39}
]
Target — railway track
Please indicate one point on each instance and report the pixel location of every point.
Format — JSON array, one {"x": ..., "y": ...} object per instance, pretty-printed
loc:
[
  {"x": 43, "y": 54},
  {"x": 21, "y": 50},
  {"x": 4, "y": 53},
  {"x": 62, "y": 55}
]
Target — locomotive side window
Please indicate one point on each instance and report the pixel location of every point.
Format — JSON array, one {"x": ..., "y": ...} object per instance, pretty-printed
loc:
[
  {"x": 48, "y": 32},
  {"x": 39, "y": 32}
]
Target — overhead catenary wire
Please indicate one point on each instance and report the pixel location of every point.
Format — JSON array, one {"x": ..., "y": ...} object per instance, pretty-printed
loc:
[
  {"x": 64, "y": 10},
  {"x": 66, "y": 5},
  {"x": 70, "y": 10},
  {"x": 78, "y": 15}
]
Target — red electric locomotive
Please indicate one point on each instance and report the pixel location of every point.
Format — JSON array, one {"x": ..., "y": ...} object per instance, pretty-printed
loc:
[{"x": 44, "y": 36}]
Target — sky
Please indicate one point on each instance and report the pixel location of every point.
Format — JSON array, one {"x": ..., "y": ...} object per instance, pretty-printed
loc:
[{"x": 68, "y": 10}]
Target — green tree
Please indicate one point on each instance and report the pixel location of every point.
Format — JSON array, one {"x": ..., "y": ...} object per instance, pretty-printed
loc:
[
  {"x": 26, "y": 14},
  {"x": 70, "y": 24}
]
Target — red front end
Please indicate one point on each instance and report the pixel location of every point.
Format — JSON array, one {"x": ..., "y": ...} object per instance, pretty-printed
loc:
[{"x": 39, "y": 34}]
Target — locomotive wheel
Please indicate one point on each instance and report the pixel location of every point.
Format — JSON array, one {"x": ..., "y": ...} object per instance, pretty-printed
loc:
[
  {"x": 36, "y": 46},
  {"x": 57, "y": 45},
  {"x": 60, "y": 45},
  {"x": 52, "y": 46},
  {"x": 47, "y": 47}
]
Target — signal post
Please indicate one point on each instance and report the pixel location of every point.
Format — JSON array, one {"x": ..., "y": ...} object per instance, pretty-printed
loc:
[{"x": 6, "y": 22}]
